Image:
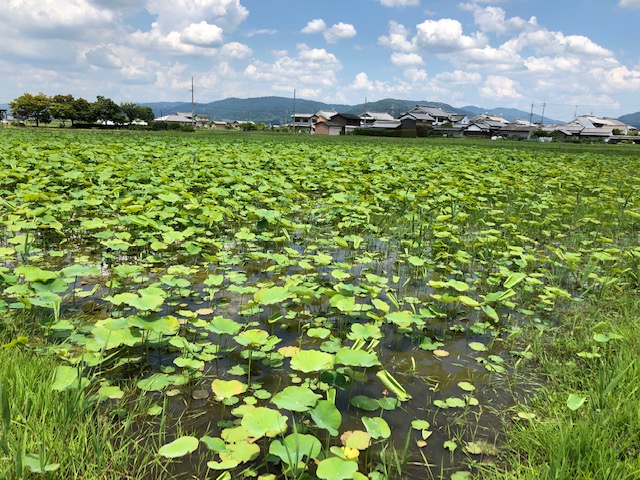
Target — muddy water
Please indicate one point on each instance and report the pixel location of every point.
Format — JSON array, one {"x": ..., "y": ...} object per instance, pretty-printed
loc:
[{"x": 431, "y": 378}]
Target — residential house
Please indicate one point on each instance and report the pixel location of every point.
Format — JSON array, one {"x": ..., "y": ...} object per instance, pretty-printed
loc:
[
  {"x": 369, "y": 118},
  {"x": 302, "y": 121},
  {"x": 427, "y": 116},
  {"x": 323, "y": 115}
]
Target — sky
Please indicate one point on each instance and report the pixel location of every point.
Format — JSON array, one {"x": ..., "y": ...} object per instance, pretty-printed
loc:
[{"x": 565, "y": 56}]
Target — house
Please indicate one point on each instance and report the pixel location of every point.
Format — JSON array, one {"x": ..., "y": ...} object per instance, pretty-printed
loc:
[
  {"x": 345, "y": 122},
  {"x": 348, "y": 121},
  {"x": 175, "y": 118},
  {"x": 323, "y": 115},
  {"x": 302, "y": 121},
  {"x": 590, "y": 127},
  {"x": 219, "y": 125},
  {"x": 369, "y": 118},
  {"x": 428, "y": 115},
  {"x": 328, "y": 128}
]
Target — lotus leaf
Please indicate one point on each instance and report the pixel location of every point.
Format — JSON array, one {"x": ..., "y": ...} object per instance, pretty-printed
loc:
[
  {"x": 307, "y": 361},
  {"x": 227, "y": 388},
  {"x": 327, "y": 416},
  {"x": 336, "y": 468},
  {"x": 263, "y": 421},
  {"x": 296, "y": 398},
  {"x": 295, "y": 447},
  {"x": 356, "y": 358},
  {"x": 179, "y": 447}
]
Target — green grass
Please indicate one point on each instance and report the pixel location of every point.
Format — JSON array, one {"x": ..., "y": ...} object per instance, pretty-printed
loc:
[
  {"x": 601, "y": 439},
  {"x": 66, "y": 432}
]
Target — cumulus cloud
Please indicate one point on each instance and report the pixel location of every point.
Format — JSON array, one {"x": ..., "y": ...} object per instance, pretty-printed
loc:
[
  {"x": 314, "y": 26},
  {"x": 497, "y": 87},
  {"x": 400, "y": 3},
  {"x": 339, "y": 31},
  {"x": 310, "y": 68},
  {"x": 406, "y": 59},
  {"x": 202, "y": 34},
  {"x": 445, "y": 35},
  {"x": 178, "y": 14},
  {"x": 46, "y": 18},
  {"x": 236, "y": 50},
  {"x": 458, "y": 78},
  {"x": 493, "y": 19},
  {"x": 398, "y": 38}
]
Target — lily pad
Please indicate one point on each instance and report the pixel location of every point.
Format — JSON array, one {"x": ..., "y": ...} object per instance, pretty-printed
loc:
[{"x": 179, "y": 447}]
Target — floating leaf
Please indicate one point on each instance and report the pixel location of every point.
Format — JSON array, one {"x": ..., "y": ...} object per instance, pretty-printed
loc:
[
  {"x": 478, "y": 347},
  {"x": 311, "y": 361},
  {"x": 336, "y": 468},
  {"x": 227, "y": 388},
  {"x": 179, "y": 447},
  {"x": 295, "y": 447},
  {"x": 327, "y": 416},
  {"x": 377, "y": 427},
  {"x": 271, "y": 296},
  {"x": 296, "y": 399},
  {"x": 263, "y": 421}
]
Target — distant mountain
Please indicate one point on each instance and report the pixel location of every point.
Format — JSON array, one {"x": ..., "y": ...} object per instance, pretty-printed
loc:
[
  {"x": 631, "y": 119},
  {"x": 511, "y": 114},
  {"x": 278, "y": 110}
]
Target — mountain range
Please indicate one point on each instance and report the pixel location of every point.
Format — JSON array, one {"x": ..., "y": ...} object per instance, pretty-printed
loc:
[{"x": 278, "y": 110}]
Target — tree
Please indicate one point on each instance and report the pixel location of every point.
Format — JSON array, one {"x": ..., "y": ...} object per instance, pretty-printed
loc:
[
  {"x": 106, "y": 110},
  {"x": 130, "y": 111},
  {"x": 62, "y": 108},
  {"x": 83, "y": 110},
  {"x": 32, "y": 107},
  {"x": 133, "y": 111},
  {"x": 146, "y": 114}
]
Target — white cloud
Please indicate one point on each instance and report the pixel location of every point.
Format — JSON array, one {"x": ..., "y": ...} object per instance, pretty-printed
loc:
[
  {"x": 445, "y": 35},
  {"x": 620, "y": 78},
  {"x": 178, "y": 14},
  {"x": 416, "y": 75},
  {"x": 498, "y": 87},
  {"x": 311, "y": 68},
  {"x": 339, "y": 31},
  {"x": 406, "y": 59},
  {"x": 458, "y": 78},
  {"x": 493, "y": 19},
  {"x": 314, "y": 26},
  {"x": 262, "y": 31},
  {"x": 629, "y": 3},
  {"x": 398, "y": 38},
  {"x": 48, "y": 19},
  {"x": 400, "y": 3},
  {"x": 202, "y": 34},
  {"x": 236, "y": 50}
]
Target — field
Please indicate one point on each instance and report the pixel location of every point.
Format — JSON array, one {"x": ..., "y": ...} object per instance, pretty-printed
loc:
[{"x": 236, "y": 306}]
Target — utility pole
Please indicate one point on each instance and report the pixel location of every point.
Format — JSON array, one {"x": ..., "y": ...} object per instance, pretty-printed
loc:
[
  {"x": 293, "y": 118},
  {"x": 193, "y": 108},
  {"x": 544, "y": 104},
  {"x": 531, "y": 114},
  {"x": 575, "y": 114}
]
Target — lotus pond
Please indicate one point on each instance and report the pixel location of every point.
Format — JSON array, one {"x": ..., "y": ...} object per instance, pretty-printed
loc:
[{"x": 305, "y": 308}]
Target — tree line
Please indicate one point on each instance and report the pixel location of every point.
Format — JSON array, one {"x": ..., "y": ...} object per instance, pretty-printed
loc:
[{"x": 41, "y": 108}]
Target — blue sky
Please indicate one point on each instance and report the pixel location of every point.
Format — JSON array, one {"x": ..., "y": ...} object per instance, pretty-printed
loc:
[{"x": 574, "y": 56}]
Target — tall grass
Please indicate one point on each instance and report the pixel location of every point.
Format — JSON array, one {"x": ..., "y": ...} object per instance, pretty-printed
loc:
[
  {"x": 601, "y": 439},
  {"x": 62, "y": 434}
]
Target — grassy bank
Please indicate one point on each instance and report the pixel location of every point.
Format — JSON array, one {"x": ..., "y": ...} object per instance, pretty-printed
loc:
[
  {"x": 69, "y": 434},
  {"x": 585, "y": 422}
]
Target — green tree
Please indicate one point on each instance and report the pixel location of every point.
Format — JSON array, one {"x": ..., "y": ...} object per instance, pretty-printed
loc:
[
  {"x": 32, "y": 107},
  {"x": 146, "y": 114},
  {"x": 83, "y": 110},
  {"x": 62, "y": 108},
  {"x": 106, "y": 110}
]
